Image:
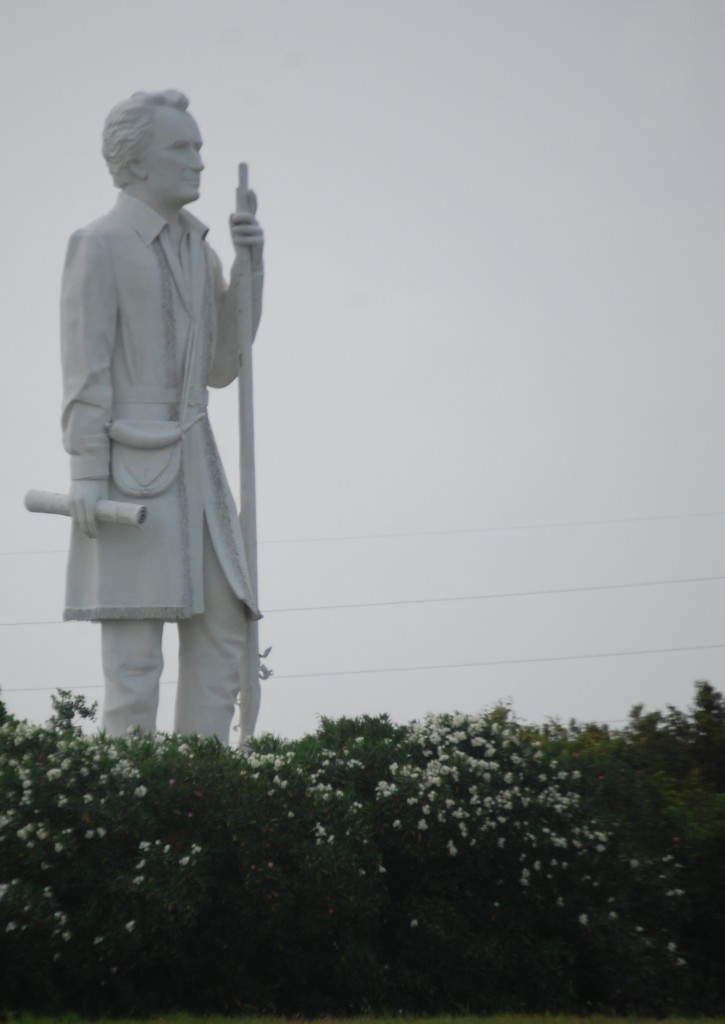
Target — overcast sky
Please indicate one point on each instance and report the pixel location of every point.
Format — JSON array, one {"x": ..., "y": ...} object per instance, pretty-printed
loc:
[{"x": 493, "y": 318}]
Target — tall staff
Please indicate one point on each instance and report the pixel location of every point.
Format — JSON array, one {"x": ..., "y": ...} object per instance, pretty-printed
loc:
[{"x": 250, "y": 691}]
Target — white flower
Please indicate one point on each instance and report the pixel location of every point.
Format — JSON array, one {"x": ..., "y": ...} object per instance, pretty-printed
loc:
[
  {"x": 414, "y": 923},
  {"x": 184, "y": 861},
  {"x": 422, "y": 825},
  {"x": 130, "y": 925},
  {"x": 451, "y": 847},
  {"x": 583, "y": 919},
  {"x": 140, "y": 791}
]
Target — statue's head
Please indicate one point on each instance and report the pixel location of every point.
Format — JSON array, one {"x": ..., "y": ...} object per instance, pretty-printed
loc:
[
  {"x": 151, "y": 145},
  {"x": 129, "y": 127}
]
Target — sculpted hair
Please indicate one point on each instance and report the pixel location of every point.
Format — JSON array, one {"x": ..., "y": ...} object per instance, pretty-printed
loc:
[{"x": 127, "y": 128}]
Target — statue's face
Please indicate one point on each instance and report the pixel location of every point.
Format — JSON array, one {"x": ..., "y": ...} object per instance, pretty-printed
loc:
[{"x": 171, "y": 165}]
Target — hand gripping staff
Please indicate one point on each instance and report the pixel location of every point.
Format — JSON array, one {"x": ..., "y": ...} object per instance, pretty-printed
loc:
[{"x": 249, "y": 696}]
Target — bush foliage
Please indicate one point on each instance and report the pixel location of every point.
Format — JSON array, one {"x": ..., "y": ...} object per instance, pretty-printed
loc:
[{"x": 455, "y": 864}]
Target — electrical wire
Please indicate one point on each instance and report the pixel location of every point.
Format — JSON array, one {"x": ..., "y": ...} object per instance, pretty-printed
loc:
[
  {"x": 488, "y": 597},
  {"x": 424, "y": 668},
  {"x": 444, "y": 533},
  {"x": 444, "y": 600},
  {"x": 498, "y": 529},
  {"x": 503, "y": 661}
]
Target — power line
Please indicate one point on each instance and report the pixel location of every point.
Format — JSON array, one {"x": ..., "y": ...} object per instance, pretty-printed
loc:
[
  {"x": 425, "y": 668},
  {"x": 503, "y": 661},
  {"x": 444, "y": 533},
  {"x": 38, "y": 551},
  {"x": 488, "y": 597},
  {"x": 497, "y": 529},
  {"x": 36, "y": 622},
  {"x": 444, "y": 600}
]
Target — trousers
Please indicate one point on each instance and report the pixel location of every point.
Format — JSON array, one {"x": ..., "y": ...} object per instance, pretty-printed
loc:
[{"x": 212, "y": 656}]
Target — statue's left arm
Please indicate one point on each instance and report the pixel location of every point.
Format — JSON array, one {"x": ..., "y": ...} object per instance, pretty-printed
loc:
[{"x": 246, "y": 234}]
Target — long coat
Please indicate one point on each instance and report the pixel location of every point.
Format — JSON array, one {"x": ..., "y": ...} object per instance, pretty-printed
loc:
[{"x": 132, "y": 307}]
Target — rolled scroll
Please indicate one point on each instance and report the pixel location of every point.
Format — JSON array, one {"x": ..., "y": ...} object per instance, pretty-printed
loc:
[{"x": 123, "y": 513}]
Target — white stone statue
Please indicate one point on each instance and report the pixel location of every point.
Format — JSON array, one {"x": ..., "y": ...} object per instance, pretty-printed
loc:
[{"x": 147, "y": 323}]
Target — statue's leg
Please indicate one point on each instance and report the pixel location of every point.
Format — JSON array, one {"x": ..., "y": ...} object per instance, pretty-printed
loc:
[
  {"x": 132, "y": 664},
  {"x": 211, "y": 648}
]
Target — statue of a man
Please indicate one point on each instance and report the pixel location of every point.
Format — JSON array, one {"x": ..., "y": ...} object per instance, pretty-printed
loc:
[{"x": 147, "y": 324}]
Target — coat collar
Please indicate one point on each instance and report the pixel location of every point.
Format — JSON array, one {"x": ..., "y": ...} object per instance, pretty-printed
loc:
[{"x": 148, "y": 224}]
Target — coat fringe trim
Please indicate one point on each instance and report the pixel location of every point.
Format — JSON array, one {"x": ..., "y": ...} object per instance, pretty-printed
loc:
[
  {"x": 131, "y": 614},
  {"x": 169, "y": 614}
]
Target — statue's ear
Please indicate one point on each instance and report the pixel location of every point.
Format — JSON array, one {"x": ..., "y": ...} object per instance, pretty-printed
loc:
[{"x": 137, "y": 169}]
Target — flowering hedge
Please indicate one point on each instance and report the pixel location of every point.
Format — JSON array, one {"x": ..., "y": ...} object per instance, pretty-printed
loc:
[{"x": 455, "y": 864}]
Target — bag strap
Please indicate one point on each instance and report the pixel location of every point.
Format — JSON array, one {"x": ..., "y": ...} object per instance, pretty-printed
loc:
[{"x": 188, "y": 362}]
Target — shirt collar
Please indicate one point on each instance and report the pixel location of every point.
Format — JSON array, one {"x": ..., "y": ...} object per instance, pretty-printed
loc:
[{"x": 148, "y": 224}]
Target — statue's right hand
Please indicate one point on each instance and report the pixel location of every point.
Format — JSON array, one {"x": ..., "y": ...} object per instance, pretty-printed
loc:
[{"x": 84, "y": 494}]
